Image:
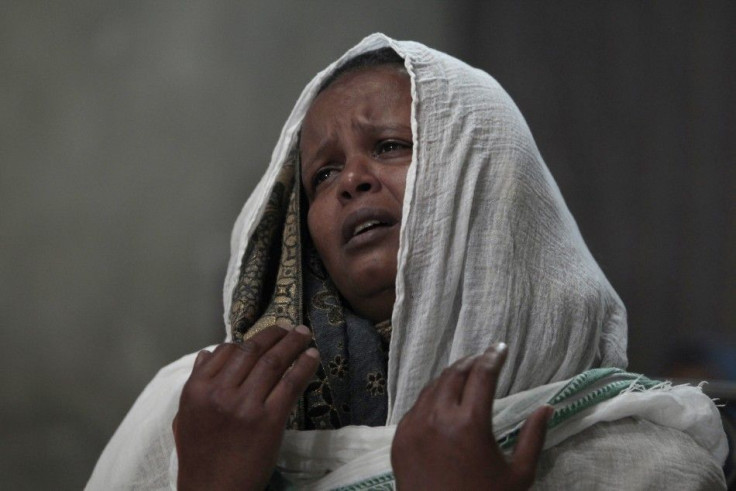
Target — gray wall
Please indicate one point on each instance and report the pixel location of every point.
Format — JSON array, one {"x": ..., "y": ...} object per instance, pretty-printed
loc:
[{"x": 132, "y": 132}]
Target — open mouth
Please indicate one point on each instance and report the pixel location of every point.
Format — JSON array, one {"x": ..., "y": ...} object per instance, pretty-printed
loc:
[
  {"x": 366, "y": 220},
  {"x": 369, "y": 225}
]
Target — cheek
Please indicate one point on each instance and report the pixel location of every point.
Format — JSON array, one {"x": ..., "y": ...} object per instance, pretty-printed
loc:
[{"x": 398, "y": 183}]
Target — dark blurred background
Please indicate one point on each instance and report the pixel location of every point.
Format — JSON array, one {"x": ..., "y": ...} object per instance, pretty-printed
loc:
[{"x": 131, "y": 133}]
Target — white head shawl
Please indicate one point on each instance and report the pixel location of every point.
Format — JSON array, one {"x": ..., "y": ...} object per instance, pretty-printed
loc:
[{"x": 488, "y": 249}]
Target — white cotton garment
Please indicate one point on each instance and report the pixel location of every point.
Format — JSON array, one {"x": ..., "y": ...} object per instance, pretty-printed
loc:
[{"x": 488, "y": 252}]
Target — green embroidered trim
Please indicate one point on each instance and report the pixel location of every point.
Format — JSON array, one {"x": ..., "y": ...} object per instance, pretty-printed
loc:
[
  {"x": 383, "y": 482},
  {"x": 582, "y": 381},
  {"x": 580, "y": 394}
]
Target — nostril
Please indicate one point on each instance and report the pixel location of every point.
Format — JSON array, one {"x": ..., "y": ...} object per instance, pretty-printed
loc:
[{"x": 365, "y": 186}]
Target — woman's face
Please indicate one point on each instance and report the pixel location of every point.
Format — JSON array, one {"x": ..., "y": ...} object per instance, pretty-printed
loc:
[{"x": 356, "y": 146}]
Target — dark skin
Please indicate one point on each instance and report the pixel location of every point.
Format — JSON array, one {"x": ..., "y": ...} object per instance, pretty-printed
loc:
[{"x": 356, "y": 150}]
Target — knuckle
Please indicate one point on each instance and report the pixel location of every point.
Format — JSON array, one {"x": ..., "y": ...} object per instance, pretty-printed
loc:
[
  {"x": 271, "y": 362},
  {"x": 415, "y": 432},
  {"x": 290, "y": 383},
  {"x": 458, "y": 431},
  {"x": 436, "y": 422},
  {"x": 427, "y": 391},
  {"x": 193, "y": 390},
  {"x": 222, "y": 347},
  {"x": 462, "y": 421},
  {"x": 251, "y": 414},
  {"x": 220, "y": 400},
  {"x": 197, "y": 404},
  {"x": 249, "y": 346}
]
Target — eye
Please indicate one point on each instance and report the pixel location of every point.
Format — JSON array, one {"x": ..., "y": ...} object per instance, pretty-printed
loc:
[
  {"x": 322, "y": 175},
  {"x": 386, "y": 146}
]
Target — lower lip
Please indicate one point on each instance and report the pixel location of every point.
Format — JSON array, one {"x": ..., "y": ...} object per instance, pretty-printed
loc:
[{"x": 369, "y": 238}]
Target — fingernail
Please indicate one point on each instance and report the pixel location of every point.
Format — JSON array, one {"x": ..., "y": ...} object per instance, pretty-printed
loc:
[
  {"x": 284, "y": 324},
  {"x": 312, "y": 352},
  {"x": 301, "y": 329},
  {"x": 496, "y": 349}
]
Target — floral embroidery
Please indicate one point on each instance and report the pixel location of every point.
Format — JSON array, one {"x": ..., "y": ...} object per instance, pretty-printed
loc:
[
  {"x": 338, "y": 366},
  {"x": 321, "y": 410},
  {"x": 376, "y": 384}
]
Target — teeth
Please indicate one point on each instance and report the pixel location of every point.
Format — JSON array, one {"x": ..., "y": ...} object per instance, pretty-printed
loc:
[{"x": 364, "y": 226}]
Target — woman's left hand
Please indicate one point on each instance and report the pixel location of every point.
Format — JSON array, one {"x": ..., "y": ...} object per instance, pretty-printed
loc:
[{"x": 446, "y": 440}]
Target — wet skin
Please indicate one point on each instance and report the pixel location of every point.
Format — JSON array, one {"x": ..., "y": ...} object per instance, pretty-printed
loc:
[{"x": 356, "y": 147}]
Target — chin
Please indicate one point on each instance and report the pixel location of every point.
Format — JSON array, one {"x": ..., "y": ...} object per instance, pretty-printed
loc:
[
  {"x": 371, "y": 291},
  {"x": 376, "y": 308},
  {"x": 371, "y": 278}
]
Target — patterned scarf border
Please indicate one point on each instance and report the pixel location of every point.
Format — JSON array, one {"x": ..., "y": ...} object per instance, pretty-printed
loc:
[{"x": 583, "y": 392}]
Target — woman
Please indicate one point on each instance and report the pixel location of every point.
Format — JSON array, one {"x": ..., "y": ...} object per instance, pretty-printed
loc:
[{"x": 409, "y": 220}]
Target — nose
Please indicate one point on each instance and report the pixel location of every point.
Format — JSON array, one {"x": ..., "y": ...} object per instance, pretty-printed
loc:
[{"x": 357, "y": 177}]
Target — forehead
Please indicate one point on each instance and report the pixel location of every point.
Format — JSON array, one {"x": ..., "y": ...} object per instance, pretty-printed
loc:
[
  {"x": 372, "y": 91},
  {"x": 386, "y": 76}
]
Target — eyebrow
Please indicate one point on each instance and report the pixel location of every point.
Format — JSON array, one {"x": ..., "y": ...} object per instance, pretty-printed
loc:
[
  {"x": 358, "y": 125},
  {"x": 362, "y": 125}
]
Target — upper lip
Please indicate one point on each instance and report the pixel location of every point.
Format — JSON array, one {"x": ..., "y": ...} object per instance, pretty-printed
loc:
[{"x": 363, "y": 215}]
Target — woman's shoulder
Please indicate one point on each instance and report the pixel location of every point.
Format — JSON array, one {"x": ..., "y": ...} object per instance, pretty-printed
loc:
[
  {"x": 141, "y": 447},
  {"x": 630, "y": 453}
]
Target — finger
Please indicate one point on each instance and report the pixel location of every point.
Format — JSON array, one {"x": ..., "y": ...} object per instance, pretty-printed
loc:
[
  {"x": 236, "y": 370},
  {"x": 272, "y": 365},
  {"x": 201, "y": 358},
  {"x": 250, "y": 348},
  {"x": 451, "y": 382},
  {"x": 294, "y": 382},
  {"x": 208, "y": 365},
  {"x": 480, "y": 388},
  {"x": 530, "y": 444}
]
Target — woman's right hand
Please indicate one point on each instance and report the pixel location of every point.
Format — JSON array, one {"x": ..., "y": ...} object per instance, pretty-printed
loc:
[{"x": 234, "y": 407}]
